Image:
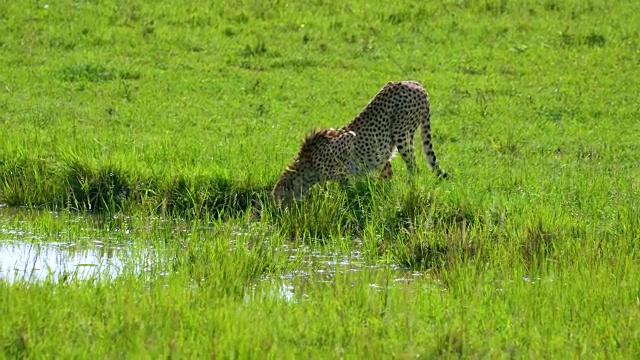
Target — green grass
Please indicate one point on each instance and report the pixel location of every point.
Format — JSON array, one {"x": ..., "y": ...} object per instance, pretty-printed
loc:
[{"x": 164, "y": 125}]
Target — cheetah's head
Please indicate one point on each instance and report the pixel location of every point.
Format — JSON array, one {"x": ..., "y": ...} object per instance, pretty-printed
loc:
[
  {"x": 315, "y": 162},
  {"x": 296, "y": 180}
]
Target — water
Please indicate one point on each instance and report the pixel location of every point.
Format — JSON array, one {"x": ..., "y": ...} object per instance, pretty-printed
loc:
[
  {"x": 56, "y": 256},
  {"x": 83, "y": 248},
  {"x": 58, "y": 262}
]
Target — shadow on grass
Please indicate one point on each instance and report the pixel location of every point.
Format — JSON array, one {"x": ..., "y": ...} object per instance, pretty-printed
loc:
[
  {"x": 217, "y": 197},
  {"x": 437, "y": 250},
  {"x": 388, "y": 211},
  {"x": 82, "y": 186},
  {"x": 400, "y": 217},
  {"x": 538, "y": 243}
]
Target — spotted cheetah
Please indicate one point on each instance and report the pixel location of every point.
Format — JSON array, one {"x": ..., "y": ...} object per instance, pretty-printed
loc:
[{"x": 364, "y": 145}]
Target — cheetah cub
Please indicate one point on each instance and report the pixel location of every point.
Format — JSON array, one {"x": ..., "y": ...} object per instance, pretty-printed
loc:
[{"x": 366, "y": 144}]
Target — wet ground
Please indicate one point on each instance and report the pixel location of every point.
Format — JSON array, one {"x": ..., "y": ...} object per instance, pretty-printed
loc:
[{"x": 86, "y": 254}]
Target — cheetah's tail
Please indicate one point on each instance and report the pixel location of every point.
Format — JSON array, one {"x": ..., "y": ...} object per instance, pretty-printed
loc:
[{"x": 428, "y": 145}]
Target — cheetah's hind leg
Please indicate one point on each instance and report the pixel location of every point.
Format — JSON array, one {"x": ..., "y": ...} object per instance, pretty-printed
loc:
[{"x": 387, "y": 171}]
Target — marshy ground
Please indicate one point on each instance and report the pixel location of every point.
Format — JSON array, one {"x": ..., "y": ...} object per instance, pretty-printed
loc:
[{"x": 139, "y": 141}]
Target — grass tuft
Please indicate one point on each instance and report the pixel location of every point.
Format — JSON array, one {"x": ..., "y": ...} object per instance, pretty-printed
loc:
[
  {"x": 538, "y": 244},
  {"x": 101, "y": 189}
]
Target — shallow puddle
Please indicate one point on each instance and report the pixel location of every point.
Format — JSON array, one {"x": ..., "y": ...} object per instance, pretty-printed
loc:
[
  {"x": 30, "y": 256},
  {"x": 58, "y": 261},
  {"x": 79, "y": 252}
]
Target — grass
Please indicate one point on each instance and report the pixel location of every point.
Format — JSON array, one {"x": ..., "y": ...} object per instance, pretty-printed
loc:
[{"x": 156, "y": 126}]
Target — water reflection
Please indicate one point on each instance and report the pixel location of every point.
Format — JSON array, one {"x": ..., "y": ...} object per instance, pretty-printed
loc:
[
  {"x": 67, "y": 248},
  {"x": 58, "y": 262}
]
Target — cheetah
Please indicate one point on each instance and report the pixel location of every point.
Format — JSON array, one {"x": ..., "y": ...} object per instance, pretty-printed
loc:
[{"x": 366, "y": 144}]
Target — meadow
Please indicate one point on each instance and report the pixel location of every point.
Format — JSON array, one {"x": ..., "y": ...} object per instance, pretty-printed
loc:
[{"x": 158, "y": 128}]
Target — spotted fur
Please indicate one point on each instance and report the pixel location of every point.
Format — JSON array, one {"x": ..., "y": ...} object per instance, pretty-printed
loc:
[{"x": 366, "y": 144}]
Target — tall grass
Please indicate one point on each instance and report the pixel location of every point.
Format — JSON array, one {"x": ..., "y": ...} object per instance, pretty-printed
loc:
[
  {"x": 216, "y": 290},
  {"x": 161, "y": 127}
]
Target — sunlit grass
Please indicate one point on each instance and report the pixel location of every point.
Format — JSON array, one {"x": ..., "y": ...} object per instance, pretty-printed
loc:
[{"x": 160, "y": 128}]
